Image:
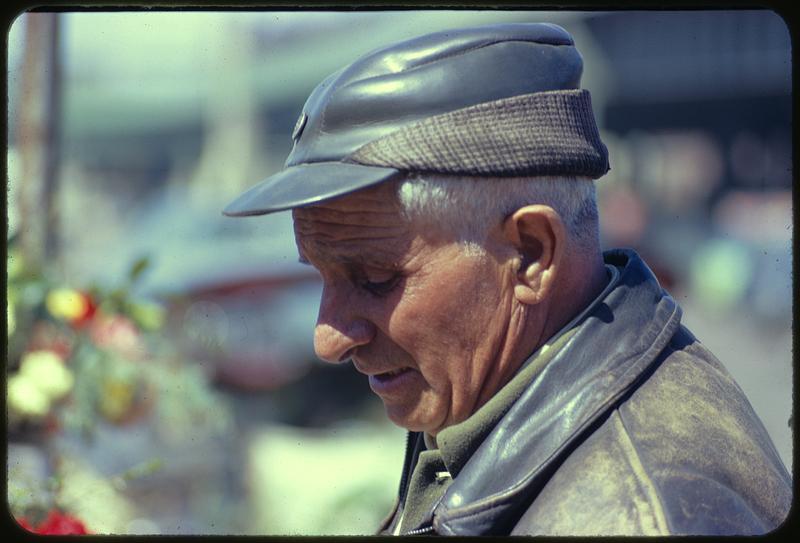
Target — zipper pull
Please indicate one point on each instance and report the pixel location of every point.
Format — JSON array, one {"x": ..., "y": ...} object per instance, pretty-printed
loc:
[{"x": 442, "y": 476}]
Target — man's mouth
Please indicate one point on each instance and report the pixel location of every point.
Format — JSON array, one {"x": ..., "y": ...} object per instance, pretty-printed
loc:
[
  {"x": 391, "y": 374},
  {"x": 391, "y": 382}
]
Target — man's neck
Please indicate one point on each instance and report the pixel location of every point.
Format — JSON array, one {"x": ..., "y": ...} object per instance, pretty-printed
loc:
[{"x": 584, "y": 279}]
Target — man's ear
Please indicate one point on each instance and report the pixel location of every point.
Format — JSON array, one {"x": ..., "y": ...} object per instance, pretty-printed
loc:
[{"x": 539, "y": 236}]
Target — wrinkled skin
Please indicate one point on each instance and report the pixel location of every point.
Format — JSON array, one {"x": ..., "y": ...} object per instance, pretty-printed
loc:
[{"x": 394, "y": 299}]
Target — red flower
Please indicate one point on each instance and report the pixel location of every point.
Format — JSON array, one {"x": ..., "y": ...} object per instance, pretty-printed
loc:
[
  {"x": 56, "y": 523},
  {"x": 22, "y": 521},
  {"x": 86, "y": 316}
]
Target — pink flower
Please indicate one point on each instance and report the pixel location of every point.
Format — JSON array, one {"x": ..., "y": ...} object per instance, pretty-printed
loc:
[{"x": 117, "y": 333}]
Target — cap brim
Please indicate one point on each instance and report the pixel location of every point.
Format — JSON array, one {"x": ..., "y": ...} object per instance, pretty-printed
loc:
[{"x": 304, "y": 185}]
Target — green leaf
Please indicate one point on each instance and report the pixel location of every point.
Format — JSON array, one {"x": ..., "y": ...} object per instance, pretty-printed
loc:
[
  {"x": 138, "y": 268},
  {"x": 143, "y": 469},
  {"x": 117, "y": 299}
]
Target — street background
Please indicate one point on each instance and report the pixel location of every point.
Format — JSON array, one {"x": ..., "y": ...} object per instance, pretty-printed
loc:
[{"x": 160, "y": 367}]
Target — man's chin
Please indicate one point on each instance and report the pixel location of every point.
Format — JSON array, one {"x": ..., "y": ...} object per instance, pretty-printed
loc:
[{"x": 410, "y": 418}]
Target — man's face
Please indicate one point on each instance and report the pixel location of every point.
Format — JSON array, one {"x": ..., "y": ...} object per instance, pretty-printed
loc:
[{"x": 425, "y": 321}]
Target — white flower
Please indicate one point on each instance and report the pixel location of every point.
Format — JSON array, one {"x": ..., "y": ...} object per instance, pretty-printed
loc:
[
  {"x": 46, "y": 370},
  {"x": 26, "y": 398}
]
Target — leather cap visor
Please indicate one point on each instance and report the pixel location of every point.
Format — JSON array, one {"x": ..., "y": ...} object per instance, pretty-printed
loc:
[{"x": 306, "y": 184}]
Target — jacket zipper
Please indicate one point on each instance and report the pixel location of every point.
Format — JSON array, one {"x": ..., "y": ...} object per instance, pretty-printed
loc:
[{"x": 420, "y": 531}]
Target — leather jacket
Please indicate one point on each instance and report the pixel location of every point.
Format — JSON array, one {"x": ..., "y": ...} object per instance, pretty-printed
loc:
[{"x": 633, "y": 427}]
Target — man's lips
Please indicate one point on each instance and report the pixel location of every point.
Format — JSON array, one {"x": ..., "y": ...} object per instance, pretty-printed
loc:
[
  {"x": 389, "y": 374},
  {"x": 393, "y": 382}
]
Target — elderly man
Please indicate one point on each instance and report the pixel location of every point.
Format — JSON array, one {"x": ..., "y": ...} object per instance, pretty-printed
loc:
[{"x": 444, "y": 189}]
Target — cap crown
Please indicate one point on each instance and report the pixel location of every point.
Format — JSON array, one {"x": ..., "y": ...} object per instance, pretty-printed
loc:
[{"x": 406, "y": 82}]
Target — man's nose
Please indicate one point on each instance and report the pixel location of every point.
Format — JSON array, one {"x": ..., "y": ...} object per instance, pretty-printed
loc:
[{"x": 338, "y": 331}]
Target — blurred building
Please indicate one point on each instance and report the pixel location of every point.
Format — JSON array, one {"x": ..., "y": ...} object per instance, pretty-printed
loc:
[{"x": 701, "y": 110}]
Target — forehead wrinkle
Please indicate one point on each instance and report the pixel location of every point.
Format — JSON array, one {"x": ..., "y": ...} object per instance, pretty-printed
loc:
[
  {"x": 355, "y": 249},
  {"x": 354, "y": 255},
  {"x": 332, "y": 231},
  {"x": 359, "y": 228},
  {"x": 323, "y": 226},
  {"x": 336, "y": 232}
]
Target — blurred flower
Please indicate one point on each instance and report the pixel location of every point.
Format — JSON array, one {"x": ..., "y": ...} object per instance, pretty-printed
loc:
[
  {"x": 116, "y": 399},
  {"x": 149, "y": 315},
  {"x": 66, "y": 304},
  {"x": 48, "y": 373},
  {"x": 56, "y": 523},
  {"x": 86, "y": 317},
  {"x": 70, "y": 305},
  {"x": 26, "y": 398},
  {"x": 117, "y": 333}
]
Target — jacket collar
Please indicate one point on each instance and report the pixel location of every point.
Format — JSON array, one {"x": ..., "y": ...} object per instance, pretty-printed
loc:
[{"x": 616, "y": 343}]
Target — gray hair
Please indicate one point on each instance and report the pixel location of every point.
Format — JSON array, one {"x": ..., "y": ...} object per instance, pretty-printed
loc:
[{"x": 468, "y": 207}]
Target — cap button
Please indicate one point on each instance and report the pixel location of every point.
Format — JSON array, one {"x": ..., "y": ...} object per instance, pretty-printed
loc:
[{"x": 299, "y": 125}]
